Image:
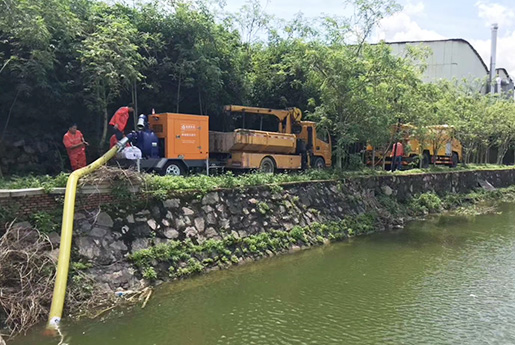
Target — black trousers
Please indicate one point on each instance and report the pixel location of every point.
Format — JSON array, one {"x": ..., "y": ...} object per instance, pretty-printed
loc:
[{"x": 117, "y": 133}]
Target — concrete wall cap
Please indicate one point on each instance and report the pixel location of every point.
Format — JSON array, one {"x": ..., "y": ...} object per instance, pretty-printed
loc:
[
  {"x": 5, "y": 193},
  {"x": 17, "y": 193},
  {"x": 58, "y": 191}
]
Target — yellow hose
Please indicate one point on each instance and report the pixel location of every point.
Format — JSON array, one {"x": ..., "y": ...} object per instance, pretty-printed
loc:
[{"x": 63, "y": 263}]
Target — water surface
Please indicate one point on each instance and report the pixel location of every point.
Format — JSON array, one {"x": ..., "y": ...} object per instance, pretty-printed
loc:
[{"x": 449, "y": 280}]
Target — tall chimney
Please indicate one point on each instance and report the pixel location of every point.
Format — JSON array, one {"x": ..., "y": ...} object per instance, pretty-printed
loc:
[{"x": 493, "y": 57}]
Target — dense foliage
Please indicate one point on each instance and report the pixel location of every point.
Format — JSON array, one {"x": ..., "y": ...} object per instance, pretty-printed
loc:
[{"x": 64, "y": 61}]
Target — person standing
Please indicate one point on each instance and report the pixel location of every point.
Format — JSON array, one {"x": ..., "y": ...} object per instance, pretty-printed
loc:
[
  {"x": 119, "y": 121},
  {"x": 397, "y": 154},
  {"x": 75, "y": 145}
]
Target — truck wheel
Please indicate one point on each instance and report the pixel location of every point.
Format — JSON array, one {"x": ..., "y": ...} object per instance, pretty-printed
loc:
[
  {"x": 318, "y": 163},
  {"x": 426, "y": 159},
  {"x": 267, "y": 165},
  {"x": 455, "y": 160},
  {"x": 172, "y": 169}
]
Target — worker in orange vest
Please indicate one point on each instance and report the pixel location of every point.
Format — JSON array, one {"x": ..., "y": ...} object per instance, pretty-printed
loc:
[
  {"x": 119, "y": 121},
  {"x": 75, "y": 145},
  {"x": 397, "y": 154}
]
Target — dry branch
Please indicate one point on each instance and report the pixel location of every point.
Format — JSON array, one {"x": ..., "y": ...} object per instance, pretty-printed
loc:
[{"x": 26, "y": 278}]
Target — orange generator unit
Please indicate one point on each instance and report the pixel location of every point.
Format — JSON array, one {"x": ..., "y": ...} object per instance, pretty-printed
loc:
[{"x": 183, "y": 142}]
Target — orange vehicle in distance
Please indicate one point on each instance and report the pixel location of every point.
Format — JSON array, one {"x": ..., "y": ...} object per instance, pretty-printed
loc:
[{"x": 434, "y": 145}]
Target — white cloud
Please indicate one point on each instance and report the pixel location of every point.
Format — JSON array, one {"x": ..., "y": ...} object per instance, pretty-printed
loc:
[
  {"x": 402, "y": 27},
  {"x": 414, "y": 9},
  {"x": 505, "y": 52},
  {"x": 495, "y": 13}
]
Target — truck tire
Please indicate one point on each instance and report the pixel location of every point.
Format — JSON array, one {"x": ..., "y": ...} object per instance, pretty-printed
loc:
[
  {"x": 454, "y": 160},
  {"x": 426, "y": 160},
  {"x": 173, "y": 169},
  {"x": 267, "y": 165},
  {"x": 318, "y": 163}
]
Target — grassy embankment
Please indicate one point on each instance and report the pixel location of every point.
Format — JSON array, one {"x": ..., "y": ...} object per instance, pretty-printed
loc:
[{"x": 229, "y": 180}]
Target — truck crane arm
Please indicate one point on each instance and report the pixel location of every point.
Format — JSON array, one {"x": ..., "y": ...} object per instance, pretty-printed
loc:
[{"x": 287, "y": 117}]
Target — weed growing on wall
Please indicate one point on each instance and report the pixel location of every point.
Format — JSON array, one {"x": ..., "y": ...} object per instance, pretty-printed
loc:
[
  {"x": 185, "y": 257},
  {"x": 46, "y": 222},
  {"x": 263, "y": 208},
  {"x": 426, "y": 203}
]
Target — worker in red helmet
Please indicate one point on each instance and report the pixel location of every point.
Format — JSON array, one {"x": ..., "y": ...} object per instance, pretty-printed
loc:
[
  {"x": 119, "y": 121},
  {"x": 75, "y": 145}
]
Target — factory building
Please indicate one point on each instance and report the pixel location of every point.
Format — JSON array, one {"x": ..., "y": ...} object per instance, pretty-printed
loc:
[
  {"x": 504, "y": 82},
  {"x": 456, "y": 59}
]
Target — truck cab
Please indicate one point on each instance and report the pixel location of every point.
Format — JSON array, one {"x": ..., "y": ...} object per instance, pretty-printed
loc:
[{"x": 318, "y": 145}]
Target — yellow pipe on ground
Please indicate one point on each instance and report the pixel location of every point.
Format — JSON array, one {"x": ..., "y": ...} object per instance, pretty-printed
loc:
[{"x": 63, "y": 263}]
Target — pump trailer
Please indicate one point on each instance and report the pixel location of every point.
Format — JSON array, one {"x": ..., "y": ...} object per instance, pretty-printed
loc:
[{"x": 175, "y": 144}]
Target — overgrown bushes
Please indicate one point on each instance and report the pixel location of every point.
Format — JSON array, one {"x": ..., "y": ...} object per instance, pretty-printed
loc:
[
  {"x": 159, "y": 185},
  {"x": 43, "y": 181}
]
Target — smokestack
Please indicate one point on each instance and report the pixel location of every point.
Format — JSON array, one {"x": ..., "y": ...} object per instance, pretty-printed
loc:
[{"x": 493, "y": 58}]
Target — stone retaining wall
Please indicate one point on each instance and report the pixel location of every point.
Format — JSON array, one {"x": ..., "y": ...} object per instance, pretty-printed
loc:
[{"x": 106, "y": 239}]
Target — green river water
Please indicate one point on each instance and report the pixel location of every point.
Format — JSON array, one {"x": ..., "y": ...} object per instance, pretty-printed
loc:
[{"x": 448, "y": 280}]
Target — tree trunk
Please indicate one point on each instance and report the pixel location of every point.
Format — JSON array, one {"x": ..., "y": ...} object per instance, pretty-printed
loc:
[
  {"x": 200, "y": 101},
  {"x": 104, "y": 130},
  {"x": 502, "y": 150},
  {"x": 339, "y": 160},
  {"x": 9, "y": 116},
  {"x": 178, "y": 94},
  {"x": 135, "y": 103},
  {"x": 487, "y": 154},
  {"x": 374, "y": 158}
]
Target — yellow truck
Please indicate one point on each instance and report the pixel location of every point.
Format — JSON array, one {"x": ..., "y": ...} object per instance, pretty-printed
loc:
[
  {"x": 434, "y": 145},
  {"x": 294, "y": 145}
]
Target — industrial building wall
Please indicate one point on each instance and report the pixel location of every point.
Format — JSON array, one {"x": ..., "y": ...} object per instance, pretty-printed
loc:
[{"x": 450, "y": 59}]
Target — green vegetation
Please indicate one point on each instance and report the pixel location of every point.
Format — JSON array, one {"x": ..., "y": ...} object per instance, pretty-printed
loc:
[
  {"x": 80, "y": 266},
  {"x": 44, "y": 181},
  {"x": 159, "y": 186},
  {"x": 426, "y": 203},
  {"x": 194, "y": 57},
  {"x": 46, "y": 222},
  {"x": 263, "y": 208},
  {"x": 150, "y": 273},
  {"x": 205, "y": 183},
  {"x": 429, "y": 202}
]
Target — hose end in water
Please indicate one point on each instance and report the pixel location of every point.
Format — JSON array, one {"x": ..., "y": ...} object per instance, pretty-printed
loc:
[{"x": 54, "y": 322}]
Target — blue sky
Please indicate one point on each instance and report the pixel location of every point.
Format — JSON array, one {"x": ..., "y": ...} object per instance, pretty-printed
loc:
[{"x": 422, "y": 20}]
